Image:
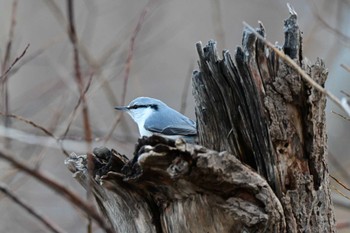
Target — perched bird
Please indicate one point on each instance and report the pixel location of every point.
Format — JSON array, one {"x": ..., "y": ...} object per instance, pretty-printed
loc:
[{"x": 154, "y": 116}]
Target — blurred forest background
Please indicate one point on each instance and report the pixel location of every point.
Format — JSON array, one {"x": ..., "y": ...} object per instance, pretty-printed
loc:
[{"x": 129, "y": 49}]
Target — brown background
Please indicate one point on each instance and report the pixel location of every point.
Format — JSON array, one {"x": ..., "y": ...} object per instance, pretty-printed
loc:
[{"x": 164, "y": 55}]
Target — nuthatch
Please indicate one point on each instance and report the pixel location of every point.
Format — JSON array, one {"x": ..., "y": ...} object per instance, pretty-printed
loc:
[{"x": 154, "y": 116}]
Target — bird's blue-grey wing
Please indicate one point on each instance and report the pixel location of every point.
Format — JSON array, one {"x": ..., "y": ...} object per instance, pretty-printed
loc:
[
  {"x": 176, "y": 130},
  {"x": 171, "y": 124}
]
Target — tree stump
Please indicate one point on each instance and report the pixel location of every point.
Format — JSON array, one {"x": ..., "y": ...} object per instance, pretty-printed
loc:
[{"x": 260, "y": 165}]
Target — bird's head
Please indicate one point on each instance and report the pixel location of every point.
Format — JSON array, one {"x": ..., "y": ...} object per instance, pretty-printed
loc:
[{"x": 141, "y": 108}]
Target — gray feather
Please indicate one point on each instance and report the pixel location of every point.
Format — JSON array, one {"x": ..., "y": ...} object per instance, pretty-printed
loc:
[{"x": 171, "y": 123}]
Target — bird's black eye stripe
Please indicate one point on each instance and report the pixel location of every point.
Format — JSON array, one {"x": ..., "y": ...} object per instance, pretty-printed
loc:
[
  {"x": 154, "y": 106},
  {"x": 136, "y": 106}
]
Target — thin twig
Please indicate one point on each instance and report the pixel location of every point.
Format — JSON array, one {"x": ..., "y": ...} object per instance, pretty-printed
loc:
[
  {"x": 94, "y": 64},
  {"x": 345, "y": 93},
  {"x": 128, "y": 65},
  {"x": 294, "y": 65},
  {"x": 341, "y": 193},
  {"x": 35, "y": 160},
  {"x": 339, "y": 182},
  {"x": 11, "y": 174},
  {"x": 76, "y": 200},
  {"x": 4, "y": 75},
  {"x": 115, "y": 123},
  {"x": 340, "y": 115},
  {"x": 34, "y": 54},
  {"x": 3, "y": 80},
  {"x": 320, "y": 19},
  {"x": 11, "y": 34},
  {"x": 59, "y": 15},
  {"x": 35, "y": 125},
  {"x": 44, "y": 141},
  {"x": 131, "y": 50},
  {"x": 339, "y": 201},
  {"x": 50, "y": 225},
  {"x": 78, "y": 78},
  {"x": 339, "y": 167},
  {"x": 75, "y": 110},
  {"x": 345, "y": 67}
]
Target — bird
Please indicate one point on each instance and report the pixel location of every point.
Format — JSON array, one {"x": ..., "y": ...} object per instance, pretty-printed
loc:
[{"x": 152, "y": 116}]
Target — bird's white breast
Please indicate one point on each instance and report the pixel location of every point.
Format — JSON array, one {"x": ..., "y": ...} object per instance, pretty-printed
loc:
[{"x": 140, "y": 116}]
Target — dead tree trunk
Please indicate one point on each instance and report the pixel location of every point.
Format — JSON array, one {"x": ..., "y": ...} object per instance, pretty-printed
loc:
[{"x": 261, "y": 166}]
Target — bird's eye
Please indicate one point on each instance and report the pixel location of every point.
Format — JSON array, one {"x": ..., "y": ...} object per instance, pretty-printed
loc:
[
  {"x": 137, "y": 106},
  {"x": 134, "y": 106}
]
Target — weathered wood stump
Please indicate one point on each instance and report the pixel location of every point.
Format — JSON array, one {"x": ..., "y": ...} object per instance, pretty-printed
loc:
[{"x": 260, "y": 165}]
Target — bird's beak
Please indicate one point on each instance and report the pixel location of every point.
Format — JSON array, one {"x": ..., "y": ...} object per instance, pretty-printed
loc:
[{"x": 121, "y": 108}]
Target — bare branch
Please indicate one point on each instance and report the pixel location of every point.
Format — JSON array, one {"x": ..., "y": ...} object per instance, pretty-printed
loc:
[
  {"x": 341, "y": 193},
  {"x": 21, "y": 136},
  {"x": 345, "y": 67},
  {"x": 320, "y": 19},
  {"x": 339, "y": 182},
  {"x": 35, "y": 54},
  {"x": 340, "y": 115},
  {"x": 4, "y": 75},
  {"x": 11, "y": 33},
  {"x": 60, "y": 189},
  {"x": 3, "y": 81},
  {"x": 345, "y": 93},
  {"x": 128, "y": 64},
  {"x": 50, "y": 225},
  {"x": 131, "y": 49},
  {"x": 79, "y": 80},
  {"x": 75, "y": 110},
  {"x": 339, "y": 167},
  {"x": 78, "y": 77},
  {"x": 35, "y": 125}
]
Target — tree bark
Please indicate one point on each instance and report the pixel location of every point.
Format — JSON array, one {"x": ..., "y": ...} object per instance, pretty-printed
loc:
[{"x": 260, "y": 165}]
